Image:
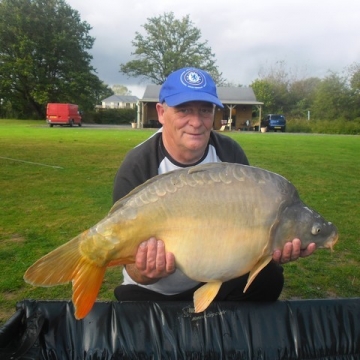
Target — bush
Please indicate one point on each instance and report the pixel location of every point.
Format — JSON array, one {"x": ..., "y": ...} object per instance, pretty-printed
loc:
[
  {"x": 298, "y": 126},
  {"x": 110, "y": 116},
  {"x": 339, "y": 126}
]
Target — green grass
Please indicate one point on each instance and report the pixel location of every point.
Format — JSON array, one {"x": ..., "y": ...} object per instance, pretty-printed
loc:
[{"x": 56, "y": 182}]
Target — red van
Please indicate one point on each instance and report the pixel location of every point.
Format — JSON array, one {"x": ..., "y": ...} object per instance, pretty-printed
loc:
[{"x": 62, "y": 114}]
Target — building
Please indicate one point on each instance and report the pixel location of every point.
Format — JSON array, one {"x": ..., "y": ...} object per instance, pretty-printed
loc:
[
  {"x": 239, "y": 104},
  {"x": 119, "y": 102}
]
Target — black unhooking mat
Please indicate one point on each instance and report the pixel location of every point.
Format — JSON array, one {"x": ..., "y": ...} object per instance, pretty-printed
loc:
[{"x": 306, "y": 329}]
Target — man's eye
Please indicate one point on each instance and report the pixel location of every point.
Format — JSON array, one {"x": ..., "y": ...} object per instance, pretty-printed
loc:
[{"x": 185, "y": 111}]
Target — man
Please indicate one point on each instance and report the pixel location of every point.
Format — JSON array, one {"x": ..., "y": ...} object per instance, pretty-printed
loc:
[{"x": 186, "y": 108}]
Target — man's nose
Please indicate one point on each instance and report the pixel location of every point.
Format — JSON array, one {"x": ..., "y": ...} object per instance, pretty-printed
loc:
[{"x": 196, "y": 119}]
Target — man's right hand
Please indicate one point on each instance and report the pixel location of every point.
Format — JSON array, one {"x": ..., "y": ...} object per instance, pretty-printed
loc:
[{"x": 152, "y": 262}]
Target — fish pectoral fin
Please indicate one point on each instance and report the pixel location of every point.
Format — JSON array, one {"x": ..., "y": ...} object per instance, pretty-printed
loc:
[
  {"x": 205, "y": 295},
  {"x": 86, "y": 285},
  {"x": 256, "y": 269}
]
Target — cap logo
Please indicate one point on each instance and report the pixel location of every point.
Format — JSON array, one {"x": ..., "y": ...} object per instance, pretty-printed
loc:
[{"x": 193, "y": 79}]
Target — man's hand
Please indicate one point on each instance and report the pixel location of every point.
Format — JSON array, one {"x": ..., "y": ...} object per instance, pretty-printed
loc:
[
  {"x": 152, "y": 262},
  {"x": 292, "y": 252}
]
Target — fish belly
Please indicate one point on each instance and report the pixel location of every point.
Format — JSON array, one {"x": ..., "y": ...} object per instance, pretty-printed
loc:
[
  {"x": 212, "y": 233},
  {"x": 212, "y": 252}
]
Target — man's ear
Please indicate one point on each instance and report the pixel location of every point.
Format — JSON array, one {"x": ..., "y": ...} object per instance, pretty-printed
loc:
[{"x": 160, "y": 108}]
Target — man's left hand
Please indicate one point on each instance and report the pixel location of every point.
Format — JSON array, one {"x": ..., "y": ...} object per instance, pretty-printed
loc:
[{"x": 292, "y": 251}]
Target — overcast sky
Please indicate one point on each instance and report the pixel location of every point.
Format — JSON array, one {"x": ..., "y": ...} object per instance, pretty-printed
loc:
[{"x": 310, "y": 36}]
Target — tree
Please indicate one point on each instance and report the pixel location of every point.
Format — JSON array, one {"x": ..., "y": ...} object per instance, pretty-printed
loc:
[
  {"x": 354, "y": 75},
  {"x": 265, "y": 92},
  {"x": 169, "y": 44},
  {"x": 120, "y": 90},
  {"x": 274, "y": 84},
  {"x": 302, "y": 95},
  {"x": 44, "y": 56},
  {"x": 332, "y": 98}
]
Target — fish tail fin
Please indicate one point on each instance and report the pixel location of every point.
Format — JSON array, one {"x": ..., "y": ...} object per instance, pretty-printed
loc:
[
  {"x": 86, "y": 285},
  {"x": 57, "y": 267},
  {"x": 65, "y": 264},
  {"x": 205, "y": 295}
]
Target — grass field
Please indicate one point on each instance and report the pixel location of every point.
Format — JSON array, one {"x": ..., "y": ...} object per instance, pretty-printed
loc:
[{"x": 56, "y": 182}]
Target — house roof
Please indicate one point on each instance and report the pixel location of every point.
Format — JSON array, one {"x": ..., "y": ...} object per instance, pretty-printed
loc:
[
  {"x": 227, "y": 95},
  {"x": 121, "y": 98}
]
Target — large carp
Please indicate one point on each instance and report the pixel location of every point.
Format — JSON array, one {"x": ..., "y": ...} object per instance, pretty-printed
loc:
[{"x": 220, "y": 220}]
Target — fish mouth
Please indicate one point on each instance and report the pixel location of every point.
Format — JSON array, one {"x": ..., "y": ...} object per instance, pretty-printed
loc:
[{"x": 333, "y": 238}]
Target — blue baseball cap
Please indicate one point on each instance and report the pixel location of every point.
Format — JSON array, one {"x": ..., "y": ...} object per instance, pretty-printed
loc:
[{"x": 189, "y": 84}]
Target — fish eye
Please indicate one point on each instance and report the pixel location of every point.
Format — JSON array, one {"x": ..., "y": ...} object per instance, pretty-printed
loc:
[{"x": 315, "y": 229}]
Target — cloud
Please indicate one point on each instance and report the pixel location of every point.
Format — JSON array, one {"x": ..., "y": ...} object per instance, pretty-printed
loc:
[{"x": 245, "y": 36}]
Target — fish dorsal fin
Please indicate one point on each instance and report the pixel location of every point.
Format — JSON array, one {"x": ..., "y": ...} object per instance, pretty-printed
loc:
[
  {"x": 206, "y": 167},
  {"x": 121, "y": 202},
  {"x": 163, "y": 177},
  {"x": 256, "y": 269},
  {"x": 205, "y": 295}
]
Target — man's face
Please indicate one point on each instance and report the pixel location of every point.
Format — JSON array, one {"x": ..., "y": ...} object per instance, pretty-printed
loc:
[{"x": 186, "y": 129}]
